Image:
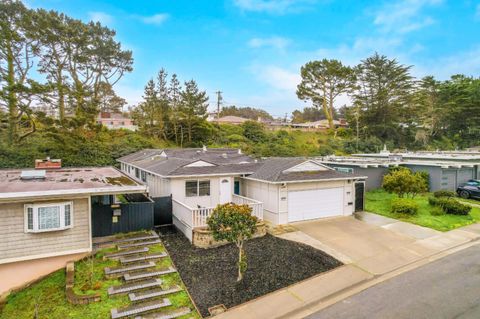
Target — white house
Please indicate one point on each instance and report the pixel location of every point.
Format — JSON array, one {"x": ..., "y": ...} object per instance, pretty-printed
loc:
[{"x": 279, "y": 190}]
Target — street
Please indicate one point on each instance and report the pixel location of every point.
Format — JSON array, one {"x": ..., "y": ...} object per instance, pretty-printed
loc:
[{"x": 445, "y": 289}]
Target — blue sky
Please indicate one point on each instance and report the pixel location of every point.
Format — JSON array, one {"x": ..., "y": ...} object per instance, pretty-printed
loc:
[{"x": 252, "y": 50}]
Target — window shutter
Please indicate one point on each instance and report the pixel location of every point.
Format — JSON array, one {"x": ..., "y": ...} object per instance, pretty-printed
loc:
[
  {"x": 30, "y": 218},
  {"x": 68, "y": 215}
]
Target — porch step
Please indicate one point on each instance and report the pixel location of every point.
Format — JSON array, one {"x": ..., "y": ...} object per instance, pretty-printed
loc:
[
  {"x": 122, "y": 289},
  {"x": 131, "y": 259},
  {"x": 153, "y": 293},
  {"x": 139, "y": 309},
  {"x": 171, "y": 314},
  {"x": 148, "y": 274},
  {"x": 131, "y": 267},
  {"x": 151, "y": 236},
  {"x": 123, "y": 253},
  {"x": 142, "y": 243}
]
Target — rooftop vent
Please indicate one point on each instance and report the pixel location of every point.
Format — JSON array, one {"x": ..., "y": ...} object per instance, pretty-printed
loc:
[
  {"x": 29, "y": 175},
  {"x": 204, "y": 148},
  {"x": 224, "y": 155},
  {"x": 48, "y": 163},
  {"x": 239, "y": 151}
]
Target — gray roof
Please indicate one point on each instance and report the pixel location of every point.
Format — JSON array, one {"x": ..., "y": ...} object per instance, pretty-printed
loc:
[
  {"x": 224, "y": 161},
  {"x": 273, "y": 170}
]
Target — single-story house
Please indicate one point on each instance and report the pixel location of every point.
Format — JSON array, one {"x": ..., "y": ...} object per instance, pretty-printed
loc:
[
  {"x": 49, "y": 216},
  {"x": 446, "y": 171},
  {"x": 278, "y": 190},
  {"x": 230, "y": 119}
]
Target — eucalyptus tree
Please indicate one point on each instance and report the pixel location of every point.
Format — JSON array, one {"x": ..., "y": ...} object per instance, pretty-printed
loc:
[
  {"x": 18, "y": 50},
  {"x": 322, "y": 82}
]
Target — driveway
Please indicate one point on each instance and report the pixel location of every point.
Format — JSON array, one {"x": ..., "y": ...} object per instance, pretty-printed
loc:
[{"x": 369, "y": 246}]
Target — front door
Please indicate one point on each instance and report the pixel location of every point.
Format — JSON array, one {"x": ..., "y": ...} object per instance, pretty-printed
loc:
[
  {"x": 359, "y": 196},
  {"x": 225, "y": 191}
]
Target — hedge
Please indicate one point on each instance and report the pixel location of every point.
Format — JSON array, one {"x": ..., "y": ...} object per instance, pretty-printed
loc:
[
  {"x": 404, "y": 206},
  {"x": 450, "y": 205},
  {"x": 444, "y": 193}
]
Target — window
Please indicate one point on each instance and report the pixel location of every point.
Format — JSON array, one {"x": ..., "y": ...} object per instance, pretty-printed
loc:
[
  {"x": 204, "y": 188},
  {"x": 137, "y": 173},
  {"x": 344, "y": 169},
  {"x": 48, "y": 217},
  {"x": 144, "y": 176},
  {"x": 197, "y": 188}
]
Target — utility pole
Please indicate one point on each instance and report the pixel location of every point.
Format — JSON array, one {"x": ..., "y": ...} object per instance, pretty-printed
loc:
[{"x": 219, "y": 102}]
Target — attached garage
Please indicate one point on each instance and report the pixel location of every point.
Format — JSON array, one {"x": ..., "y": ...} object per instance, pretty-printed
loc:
[
  {"x": 317, "y": 203},
  {"x": 296, "y": 189}
]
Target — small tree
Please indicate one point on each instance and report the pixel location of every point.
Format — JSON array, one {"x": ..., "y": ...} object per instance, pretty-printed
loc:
[
  {"x": 403, "y": 181},
  {"x": 235, "y": 224}
]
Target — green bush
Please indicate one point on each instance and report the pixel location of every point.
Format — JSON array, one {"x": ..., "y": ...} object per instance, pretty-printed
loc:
[
  {"x": 449, "y": 205},
  {"x": 444, "y": 193},
  {"x": 404, "y": 206},
  {"x": 437, "y": 211}
]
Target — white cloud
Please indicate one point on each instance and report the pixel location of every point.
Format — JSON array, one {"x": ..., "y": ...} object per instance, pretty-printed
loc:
[
  {"x": 277, "y": 77},
  {"x": 275, "y": 42},
  {"x": 273, "y": 6},
  {"x": 403, "y": 16},
  {"x": 156, "y": 19},
  {"x": 102, "y": 17}
]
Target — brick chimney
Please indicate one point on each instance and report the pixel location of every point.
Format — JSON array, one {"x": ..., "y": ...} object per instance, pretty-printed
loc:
[{"x": 48, "y": 163}]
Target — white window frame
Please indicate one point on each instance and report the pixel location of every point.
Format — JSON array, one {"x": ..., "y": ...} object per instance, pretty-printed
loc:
[
  {"x": 198, "y": 187},
  {"x": 35, "y": 208}
]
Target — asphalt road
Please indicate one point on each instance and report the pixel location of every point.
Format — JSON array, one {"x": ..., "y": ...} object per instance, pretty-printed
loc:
[{"x": 445, "y": 289}]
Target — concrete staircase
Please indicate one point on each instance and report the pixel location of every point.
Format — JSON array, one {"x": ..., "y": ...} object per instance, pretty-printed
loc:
[{"x": 142, "y": 280}]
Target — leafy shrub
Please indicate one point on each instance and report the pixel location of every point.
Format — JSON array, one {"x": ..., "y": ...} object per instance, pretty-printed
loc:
[
  {"x": 450, "y": 205},
  {"x": 437, "y": 211},
  {"x": 402, "y": 181},
  {"x": 404, "y": 206},
  {"x": 444, "y": 193}
]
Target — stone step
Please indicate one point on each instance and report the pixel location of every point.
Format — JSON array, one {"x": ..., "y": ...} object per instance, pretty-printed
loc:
[
  {"x": 124, "y": 253},
  {"x": 148, "y": 274},
  {"x": 131, "y": 267},
  {"x": 171, "y": 314},
  {"x": 131, "y": 259},
  {"x": 126, "y": 288},
  {"x": 139, "y": 244},
  {"x": 150, "y": 236},
  {"x": 139, "y": 309},
  {"x": 153, "y": 293}
]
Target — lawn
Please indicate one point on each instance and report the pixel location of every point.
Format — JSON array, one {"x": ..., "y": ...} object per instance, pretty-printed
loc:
[
  {"x": 273, "y": 263},
  {"x": 379, "y": 202},
  {"x": 47, "y": 297}
]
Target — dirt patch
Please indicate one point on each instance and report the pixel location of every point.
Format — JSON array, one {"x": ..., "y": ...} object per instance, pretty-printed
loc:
[{"x": 273, "y": 263}]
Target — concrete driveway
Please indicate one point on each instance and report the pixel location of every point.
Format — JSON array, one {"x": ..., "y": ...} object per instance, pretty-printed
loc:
[{"x": 369, "y": 246}]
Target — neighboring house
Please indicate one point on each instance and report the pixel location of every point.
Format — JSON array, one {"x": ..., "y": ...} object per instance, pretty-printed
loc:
[
  {"x": 278, "y": 190},
  {"x": 447, "y": 170},
  {"x": 115, "y": 121},
  {"x": 50, "y": 216},
  {"x": 52, "y": 209},
  {"x": 230, "y": 119}
]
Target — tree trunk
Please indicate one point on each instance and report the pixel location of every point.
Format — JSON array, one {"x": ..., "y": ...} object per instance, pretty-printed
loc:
[
  {"x": 240, "y": 258},
  {"x": 12, "y": 98}
]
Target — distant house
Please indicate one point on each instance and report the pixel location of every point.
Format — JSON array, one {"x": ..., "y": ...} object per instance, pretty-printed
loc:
[
  {"x": 230, "y": 119},
  {"x": 49, "y": 215},
  {"x": 115, "y": 121}
]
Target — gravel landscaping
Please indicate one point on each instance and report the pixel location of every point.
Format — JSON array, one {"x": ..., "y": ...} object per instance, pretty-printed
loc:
[{"x": 273, "y": 263}]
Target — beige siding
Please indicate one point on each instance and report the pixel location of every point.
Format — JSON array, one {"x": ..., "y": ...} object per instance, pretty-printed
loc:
[
  {"x": 15, "y": 243},
  {"x": 266, "y": 193},
  {"x": 158, "y": 186}
]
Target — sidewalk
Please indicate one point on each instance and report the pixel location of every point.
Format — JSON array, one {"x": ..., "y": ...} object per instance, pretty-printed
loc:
[{"x": 373, "y": 250}]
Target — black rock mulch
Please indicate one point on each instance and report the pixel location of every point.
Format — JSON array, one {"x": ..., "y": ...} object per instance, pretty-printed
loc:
[{"x": 273, "y": 263}]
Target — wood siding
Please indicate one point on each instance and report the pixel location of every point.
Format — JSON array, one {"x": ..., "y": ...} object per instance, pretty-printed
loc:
[{"x": 16, "y": 243}]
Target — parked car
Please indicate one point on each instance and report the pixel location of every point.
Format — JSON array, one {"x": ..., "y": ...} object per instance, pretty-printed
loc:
[{"x": 470, "y": 189}]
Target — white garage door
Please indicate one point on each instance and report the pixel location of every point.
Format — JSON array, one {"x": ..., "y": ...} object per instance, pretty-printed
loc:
[{"x": 316, "y": 203}]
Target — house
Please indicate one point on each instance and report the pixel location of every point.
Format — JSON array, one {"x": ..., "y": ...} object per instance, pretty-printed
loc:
[
  {"x": 278, "y": 190},
  {"x": 116, "y": 121},
  {"x": 49, "y": 216},
  {"x": 230, "y": 119},
  {"x": 447, "y": 170}
]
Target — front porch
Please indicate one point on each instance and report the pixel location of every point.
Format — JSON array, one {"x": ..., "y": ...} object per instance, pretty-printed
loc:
[{"x": 187, "y": 218}]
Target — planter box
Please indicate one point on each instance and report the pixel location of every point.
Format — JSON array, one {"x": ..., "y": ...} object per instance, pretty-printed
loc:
[{"x": 203, "y": 238}]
